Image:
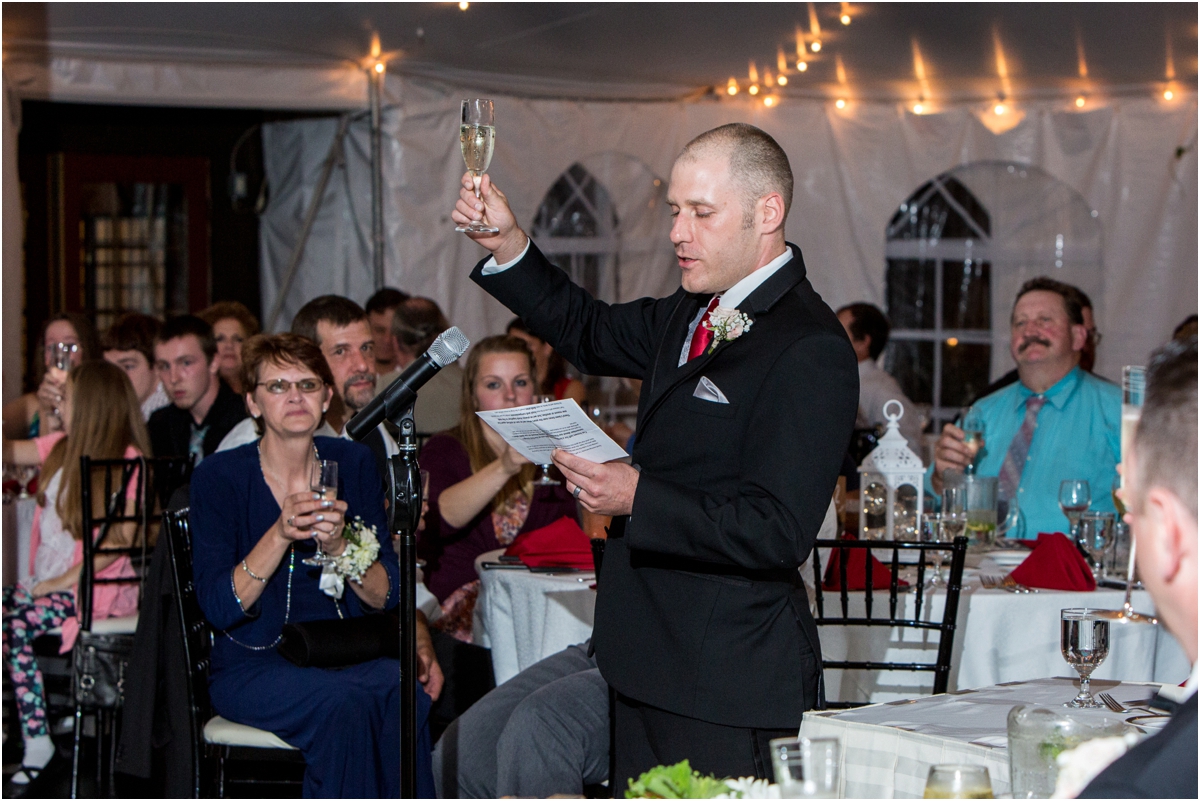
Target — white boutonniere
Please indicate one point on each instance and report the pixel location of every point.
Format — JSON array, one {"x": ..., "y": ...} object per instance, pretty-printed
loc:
[
  {"x": 726, "y": 325},
  {"x": 1079, "y": 765},
  {"x": 361, "y": 551}
]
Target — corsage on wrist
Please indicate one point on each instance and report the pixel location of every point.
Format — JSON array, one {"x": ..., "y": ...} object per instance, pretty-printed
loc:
[{"x": 361, "y": 551}]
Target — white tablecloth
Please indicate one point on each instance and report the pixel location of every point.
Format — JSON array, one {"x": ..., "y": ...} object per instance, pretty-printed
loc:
[
  {"x": 525, "y": 617},
  {"x": 887, "y": 749},
  {"x": 18, "y": 523},
  {"x": 1002, "y": 637}
]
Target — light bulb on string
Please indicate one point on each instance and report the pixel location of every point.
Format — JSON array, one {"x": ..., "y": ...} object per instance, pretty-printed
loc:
[
  {"x": 463, "y": 5},
  {"x": 1168, "y": 95},
  {"x": 841, "y": 103},
  {"x": 782, "y": 80},
  {"x": 769, "y": 101},
  {"x": 732, "y": 86},
  {"x": 753, "y": 89},
  {"x": 999, "y": 109},
  {"x": 816, "y": 46},
  {"x": 379, "y": 67},
  {"x": 845, "y": 17},
  {"x": 1080, "y": 101},
  {"x": 918, "y": 108},
  {"x": 802, "y": 66}
]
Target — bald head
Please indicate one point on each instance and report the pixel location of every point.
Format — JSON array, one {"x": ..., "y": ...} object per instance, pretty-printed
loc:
[{"x": 756, "y": 162}]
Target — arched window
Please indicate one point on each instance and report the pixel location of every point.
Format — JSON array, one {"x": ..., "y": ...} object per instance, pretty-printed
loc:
[
  {"x": 957, "y": 251},
  {"x": 576, "y": 227}
]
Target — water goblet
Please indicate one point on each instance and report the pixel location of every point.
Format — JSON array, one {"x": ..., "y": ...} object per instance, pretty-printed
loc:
[
  {"x": 1074, "y": 498},
  {"x": 1097, "y": 536},
  {"x": 324, "y": 481},
  {"x": 1084, "y": 643}
]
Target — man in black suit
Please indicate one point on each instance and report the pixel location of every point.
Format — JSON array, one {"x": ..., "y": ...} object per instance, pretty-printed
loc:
[
  {"x": 203, "y": 408},
  {"x": 1161, "y": 497},
  {"x": 748, "y": 401}
]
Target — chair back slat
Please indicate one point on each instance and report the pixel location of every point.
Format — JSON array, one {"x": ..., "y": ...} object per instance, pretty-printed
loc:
[{"x": 841, "y": 549}]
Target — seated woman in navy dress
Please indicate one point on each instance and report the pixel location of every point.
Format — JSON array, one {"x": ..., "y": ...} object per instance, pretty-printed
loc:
[{"x": 254, "y": 520}]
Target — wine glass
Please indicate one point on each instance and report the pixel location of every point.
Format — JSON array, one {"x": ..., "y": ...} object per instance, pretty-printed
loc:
[
  {"x": 544, "y": 480},
  {"x": 932, "y": 531},
  {"x": 324, "y": 482},
  {"x": 954, "y": 512},
  {"x": 477, "y": 137},
  {"x": 1097, "y": 535},
  {"x": 25, "y": 474},
  {"x": 1074, "y": 498},
  {"x": 1084, "y": 644},
  {"x": 61, "y": 360},
  {"x": 958, "y": 781},
  {"x": 806, "y": 768},
  {"x": 973, "y": 430}
]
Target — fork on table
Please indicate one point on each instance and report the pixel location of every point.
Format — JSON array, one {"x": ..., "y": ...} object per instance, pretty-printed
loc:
[
  {"x": 1004, "y": 583},
  {"x": 1117, "y": 706}
]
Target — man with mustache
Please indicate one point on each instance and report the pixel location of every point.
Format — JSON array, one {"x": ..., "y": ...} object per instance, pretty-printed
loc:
[{"x": 1056, "y": 422}]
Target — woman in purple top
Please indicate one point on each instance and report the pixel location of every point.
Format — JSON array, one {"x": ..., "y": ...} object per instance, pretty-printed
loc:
[{"x": 482, "y": 493}]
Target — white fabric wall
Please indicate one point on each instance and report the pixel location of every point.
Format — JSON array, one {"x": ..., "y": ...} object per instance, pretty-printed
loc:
[
  {"x": 12, "y": 266},
  {"x": 853, "y": 167}
]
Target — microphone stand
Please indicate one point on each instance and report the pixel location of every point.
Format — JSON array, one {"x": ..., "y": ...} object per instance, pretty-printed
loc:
[{"x": 404, "y": 513}]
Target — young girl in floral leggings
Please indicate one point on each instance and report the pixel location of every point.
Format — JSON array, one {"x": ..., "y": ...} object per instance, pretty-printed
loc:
[{"x": 108, "y": 426}]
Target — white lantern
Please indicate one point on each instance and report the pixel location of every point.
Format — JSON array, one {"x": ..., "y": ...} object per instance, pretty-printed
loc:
[{"x": 891, "y": 481}]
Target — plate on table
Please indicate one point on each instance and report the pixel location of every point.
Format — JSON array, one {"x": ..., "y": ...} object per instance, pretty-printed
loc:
[
  {"x": 1008, "y": 557},
  {"x": 1153, "y": 722}
]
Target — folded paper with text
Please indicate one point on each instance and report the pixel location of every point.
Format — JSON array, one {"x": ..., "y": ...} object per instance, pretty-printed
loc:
[{"x": 536, "y": 430}]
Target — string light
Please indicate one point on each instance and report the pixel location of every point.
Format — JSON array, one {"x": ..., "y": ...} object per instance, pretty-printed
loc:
[
  {"x": 845, "y": 18},
  {"x": 463, "y": 5},
  {"x": 802, "y": 66},
  {"x": 753, "y": 89},
  {"x": 1080, "y": 101},
  {"x": 816, "y": 46},
  {"x": 379, "y": 67},
  {"x": 918, "y": 108},
  {"x": 1168, "y": 95},
  {"x": 782, "y": 80},
  {"x": 999, "y": 109},
  {"x": 732, "y": 87},
  {"x": 840, "y": 103},
  {"x": 769, "y": 101}
]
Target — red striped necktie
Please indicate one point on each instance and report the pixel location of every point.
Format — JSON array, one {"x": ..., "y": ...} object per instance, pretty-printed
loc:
[{"x": 703, "y": 337}]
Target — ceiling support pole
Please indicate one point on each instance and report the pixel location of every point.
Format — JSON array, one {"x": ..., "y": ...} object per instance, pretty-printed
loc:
[{"x": 377, "y": 248}]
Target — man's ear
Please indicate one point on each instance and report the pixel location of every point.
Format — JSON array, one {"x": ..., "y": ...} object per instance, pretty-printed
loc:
[
  {"x": 213, "y": 365},
  {"x": 1173, "y": 534},
  {"x": 1079, "y": 337},
  {"x": 773, "y": 213}
]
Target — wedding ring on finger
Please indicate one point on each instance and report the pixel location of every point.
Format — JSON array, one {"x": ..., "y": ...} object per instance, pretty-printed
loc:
[
  {"x": 291, "y": 521},
  {"x": 578, "y": 489}
]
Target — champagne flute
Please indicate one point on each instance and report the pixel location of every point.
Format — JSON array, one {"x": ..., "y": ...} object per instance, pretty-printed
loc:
[
  {"x": 1133, "y": 395},
  {"x": 973, "y": 430},
  {"x": 477, "y": 137},
  {"x": 1084, "y": 643},
  {"x": 61, "y": 361},
  {"x": 544, "y": 480},
  {"x": 1074, "y": 498},
  {"x": 324, "y": 482}
]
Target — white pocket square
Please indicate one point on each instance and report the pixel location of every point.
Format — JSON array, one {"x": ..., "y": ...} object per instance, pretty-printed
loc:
[{"x": 707, "y": 390}]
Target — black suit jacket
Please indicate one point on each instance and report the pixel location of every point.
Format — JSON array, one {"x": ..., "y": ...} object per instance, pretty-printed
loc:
[
  {"x": 1161, "y": 766},
  {"x": 701, "y": 610},
  {"x": 171, "y": 427}
]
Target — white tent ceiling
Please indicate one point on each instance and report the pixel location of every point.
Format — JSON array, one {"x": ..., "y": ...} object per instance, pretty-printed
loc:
[{"x": 100, "y": 51}]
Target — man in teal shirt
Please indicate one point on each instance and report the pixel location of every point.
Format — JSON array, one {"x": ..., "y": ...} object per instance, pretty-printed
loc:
[{"x": 1056, "y": 423}]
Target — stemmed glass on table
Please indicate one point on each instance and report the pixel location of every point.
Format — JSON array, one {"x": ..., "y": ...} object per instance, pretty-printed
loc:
[
  {"x": 973, "y": 431},
  {"x": 1084, "y": 643},
  {"x": 544, "y": 480},
  {"x": 1074, "y": 498},
  {"x": 1097, "y": 535},
  {"x": 477, "y": 138},
  {"x": 324, "y": 482}
]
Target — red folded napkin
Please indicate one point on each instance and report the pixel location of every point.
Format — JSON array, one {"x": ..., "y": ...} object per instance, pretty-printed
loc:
[
  {"x": 561, "y": 544},
  {"x": 1055, "y": 564},
  {"x": 856, "y": 571}
]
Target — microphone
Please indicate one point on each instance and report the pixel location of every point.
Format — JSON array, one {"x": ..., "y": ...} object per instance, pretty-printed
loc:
[{"x": 402, "y": 392}]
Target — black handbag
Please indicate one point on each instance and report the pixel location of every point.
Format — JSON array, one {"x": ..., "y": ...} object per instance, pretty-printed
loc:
[
  {"x": 340, "y": 643},
  {"x": 101, "y": 664}
]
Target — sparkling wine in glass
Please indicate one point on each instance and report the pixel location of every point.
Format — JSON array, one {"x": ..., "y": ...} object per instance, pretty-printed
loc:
[
  {"x": 1084, "y": 643},
  {"x": 973, "y": 430},
  {"x": 477, "y": 137},
  {"x": 544, "y": 479},
  {"x": 324, "y": 482},
  {"x": 1133, "y": 395},
  {"x": 1074, "y": 498}
]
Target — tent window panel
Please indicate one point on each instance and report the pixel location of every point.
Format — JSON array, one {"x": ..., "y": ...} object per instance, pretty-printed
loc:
[
  {"x": 966, "y": 295},
  {"x": 911, "y": 362},
  {"x": 911, "y": 288},
  {"x": 964, "y": 372},
  {"x": 576, "y": 205},
  {"x": 940, "y": 209}
]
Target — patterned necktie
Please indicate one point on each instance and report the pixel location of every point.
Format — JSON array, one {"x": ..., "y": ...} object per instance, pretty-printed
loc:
[
  {"x": 1018, "y": 449},
  {"x": 702, "y": 337}
]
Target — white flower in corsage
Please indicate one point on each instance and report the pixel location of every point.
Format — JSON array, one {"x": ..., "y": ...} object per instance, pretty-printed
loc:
[
  {"x": 361, "y": 551},
  {"x": 1079, "y": 765},
  {"x": 726, "y": 325}
]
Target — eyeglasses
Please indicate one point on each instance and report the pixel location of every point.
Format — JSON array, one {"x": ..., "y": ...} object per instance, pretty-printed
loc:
[
  {"x": 1095, "y": 336},
  {"x": 281, "y": 386}
]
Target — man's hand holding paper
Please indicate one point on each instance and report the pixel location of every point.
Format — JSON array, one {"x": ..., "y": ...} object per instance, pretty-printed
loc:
[{"x": 603, "y": 489}]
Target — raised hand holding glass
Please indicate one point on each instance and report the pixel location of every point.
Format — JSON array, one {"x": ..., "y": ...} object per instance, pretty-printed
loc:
[{"x": 477, "y": 138}]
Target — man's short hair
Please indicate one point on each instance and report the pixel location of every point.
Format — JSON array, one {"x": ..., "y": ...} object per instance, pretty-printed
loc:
[
  {"x": 1073, "y": 297},
  {"x": 417, "y": 322},
  {"x": 1166, "y": 433},
  {"x": 867, "y": 320},
  {"x": 384, "y": 299},
  {"x": 132, "y": 331},
  {"x": 756, "y": 161},
  {"x": 186, "y": 324},
  {"x": 336, "y": 310},
  {"x": 1186, "y": 328}
]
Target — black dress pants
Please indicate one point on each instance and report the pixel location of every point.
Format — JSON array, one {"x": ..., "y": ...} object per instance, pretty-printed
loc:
[{"x": 645, "y": 736}]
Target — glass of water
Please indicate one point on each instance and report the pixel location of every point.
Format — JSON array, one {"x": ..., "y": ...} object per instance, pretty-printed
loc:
[
  {"x": 806, "y": 768},
  {"x": 1084, "y": 643},
  {"x": 1097, "y": 536}
]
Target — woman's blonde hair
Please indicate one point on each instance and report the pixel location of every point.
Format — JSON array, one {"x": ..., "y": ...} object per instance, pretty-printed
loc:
[
  {"x": 470, "y": 429},
  {"x": 106, "y": 418}
]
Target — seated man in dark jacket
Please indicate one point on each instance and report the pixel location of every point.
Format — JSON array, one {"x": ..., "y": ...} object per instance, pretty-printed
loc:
[
  {"x": 1160, "y": 493},
  {"x": 203, "y": 407}
]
